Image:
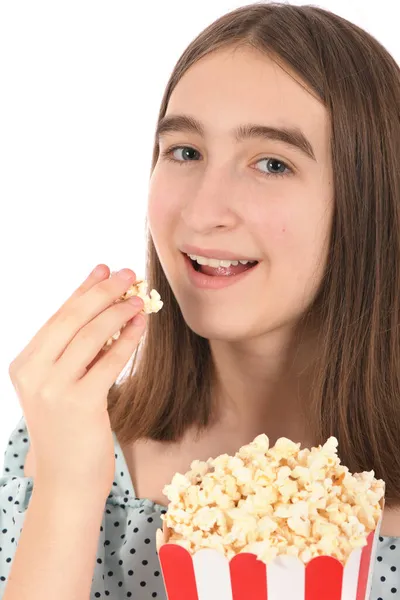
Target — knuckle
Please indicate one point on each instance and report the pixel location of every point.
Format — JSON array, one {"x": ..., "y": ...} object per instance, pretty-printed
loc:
[
  {"x": 87, "y": 334},
  {"x": 55, "y": 317},
  {"x": 103, "y": 293},
  {"x": 47, "y": 393},
  {"x": 115, "y": 360},
  {"x": 67, "y": 322},
  {"x": 12, "y": 369},
  {"x": 20, "y": 377}
]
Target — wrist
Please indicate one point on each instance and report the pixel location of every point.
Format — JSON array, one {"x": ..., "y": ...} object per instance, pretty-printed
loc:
[{"x": 63, "y": 492}]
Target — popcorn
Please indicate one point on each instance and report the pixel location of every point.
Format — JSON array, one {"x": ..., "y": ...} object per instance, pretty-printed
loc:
[
  {"x": 152, "y": 303},
  {"x": 273, "y": 501}
]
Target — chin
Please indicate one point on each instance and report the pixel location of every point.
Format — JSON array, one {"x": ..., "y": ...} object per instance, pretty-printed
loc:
[{"x": 220, "y": 325}]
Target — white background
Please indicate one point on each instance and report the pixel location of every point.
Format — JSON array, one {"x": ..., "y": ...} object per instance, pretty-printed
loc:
[{"x": 80, "y": 88}]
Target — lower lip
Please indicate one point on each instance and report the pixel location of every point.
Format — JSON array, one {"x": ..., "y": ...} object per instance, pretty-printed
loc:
[{"x": 211, "y": 282}]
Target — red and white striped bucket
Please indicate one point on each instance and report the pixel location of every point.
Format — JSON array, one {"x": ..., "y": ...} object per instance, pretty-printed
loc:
[{"x": 209, "y": 575}]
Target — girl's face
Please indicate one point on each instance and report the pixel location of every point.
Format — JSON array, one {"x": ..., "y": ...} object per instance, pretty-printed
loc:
[{"x": 255, "y": 197}]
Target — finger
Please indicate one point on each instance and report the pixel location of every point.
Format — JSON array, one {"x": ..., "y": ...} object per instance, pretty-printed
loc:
[
  {"x": 100, "y": 273},
  {"x": 99, "y": 379},
  {"x": 90, "y": 340},
  {"x": 54, "y": 340}
]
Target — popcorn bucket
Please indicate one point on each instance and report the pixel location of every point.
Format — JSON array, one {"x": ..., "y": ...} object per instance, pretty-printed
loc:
[{"x": 208, "y": 575}]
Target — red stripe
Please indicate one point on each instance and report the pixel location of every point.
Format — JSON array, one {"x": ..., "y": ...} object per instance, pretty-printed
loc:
[
  {"x": 365, "y": 562},
  {"x": 324, "y": 576},
  {"x": 248, "y": 577},
  {"x": 178, "y": 572}
]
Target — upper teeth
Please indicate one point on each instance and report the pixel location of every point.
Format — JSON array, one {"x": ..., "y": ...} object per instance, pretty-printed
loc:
[{"x": 215, "y": 262}]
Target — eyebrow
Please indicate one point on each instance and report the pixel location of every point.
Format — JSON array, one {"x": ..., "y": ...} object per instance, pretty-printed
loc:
[{"x": 291, "y": 136}]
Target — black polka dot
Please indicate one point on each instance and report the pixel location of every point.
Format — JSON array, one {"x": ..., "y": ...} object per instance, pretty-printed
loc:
[
  {"x": 393, "y": 590},
  {"x": 379, "y": 558},
  {"x": 393, "y": 568},
  {"x": 123, "y": 522}
]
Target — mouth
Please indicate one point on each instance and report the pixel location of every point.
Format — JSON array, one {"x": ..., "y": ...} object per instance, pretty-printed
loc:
[{"x": 220, "y": 271}]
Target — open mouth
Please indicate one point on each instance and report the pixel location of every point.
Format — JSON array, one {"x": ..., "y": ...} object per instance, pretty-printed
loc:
[{"x": 220, "y": 271}]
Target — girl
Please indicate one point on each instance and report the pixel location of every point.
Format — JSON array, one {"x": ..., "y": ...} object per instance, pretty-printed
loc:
[{"x": 277, "y": 143}]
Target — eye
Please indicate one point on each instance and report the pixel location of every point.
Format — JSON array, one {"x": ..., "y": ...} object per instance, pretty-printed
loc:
[
  {"x": 276, "y": 163},
  {"x": 188, "y": 151}
]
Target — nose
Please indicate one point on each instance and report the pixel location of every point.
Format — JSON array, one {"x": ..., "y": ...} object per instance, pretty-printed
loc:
[{"x": 210, "y": 204}]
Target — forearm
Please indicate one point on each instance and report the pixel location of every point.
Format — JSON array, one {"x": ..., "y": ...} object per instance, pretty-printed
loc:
[{"x": 56, "y": 552}]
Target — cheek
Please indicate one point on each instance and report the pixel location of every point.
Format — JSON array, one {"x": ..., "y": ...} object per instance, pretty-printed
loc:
[
  {"x": 292, "y": 241},
  {"x": 161, "y": 206}
]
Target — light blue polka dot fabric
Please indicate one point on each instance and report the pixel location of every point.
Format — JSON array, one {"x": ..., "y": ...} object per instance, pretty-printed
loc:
[{"x": 127, "y": 564}]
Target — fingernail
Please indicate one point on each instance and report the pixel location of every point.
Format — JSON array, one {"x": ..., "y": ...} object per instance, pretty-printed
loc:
[
  {"x": 125, "y": 274},
  {"x": 138, "y": 321},
  {"x": 136, "y": 301},
  {"x": 98, "y": 271}
]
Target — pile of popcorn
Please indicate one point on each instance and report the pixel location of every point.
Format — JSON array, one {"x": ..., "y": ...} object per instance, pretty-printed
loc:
[
  {"x": 271, "y": 501},
  {"x": 152, "y": 303}
]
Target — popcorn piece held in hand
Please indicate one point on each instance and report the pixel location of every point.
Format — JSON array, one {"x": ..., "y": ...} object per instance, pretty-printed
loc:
[{"x": 152, "y": 303}]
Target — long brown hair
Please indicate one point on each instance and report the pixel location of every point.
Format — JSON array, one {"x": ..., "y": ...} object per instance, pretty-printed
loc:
[{"x": 356, "y": 392}]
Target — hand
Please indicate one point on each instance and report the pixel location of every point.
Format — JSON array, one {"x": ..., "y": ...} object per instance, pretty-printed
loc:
[{"x": 62, "y": 378}]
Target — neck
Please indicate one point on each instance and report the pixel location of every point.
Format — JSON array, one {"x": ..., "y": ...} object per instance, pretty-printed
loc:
[{"x": 262, "y": 385}]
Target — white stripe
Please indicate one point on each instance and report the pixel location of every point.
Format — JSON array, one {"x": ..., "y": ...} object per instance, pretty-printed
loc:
[
  {"x": 212, "y": 575},
  {"x": 286, "y": 578},
  {"x": 373, "y": 558},
  {"x": 350, "y": 575}
]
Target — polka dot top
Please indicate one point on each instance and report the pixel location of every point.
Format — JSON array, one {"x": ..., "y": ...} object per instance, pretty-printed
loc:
[{"x": 127, "y": 564}]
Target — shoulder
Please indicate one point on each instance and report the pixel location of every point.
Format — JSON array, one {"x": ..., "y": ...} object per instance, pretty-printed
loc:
[{"x": 16, "y": 451}]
